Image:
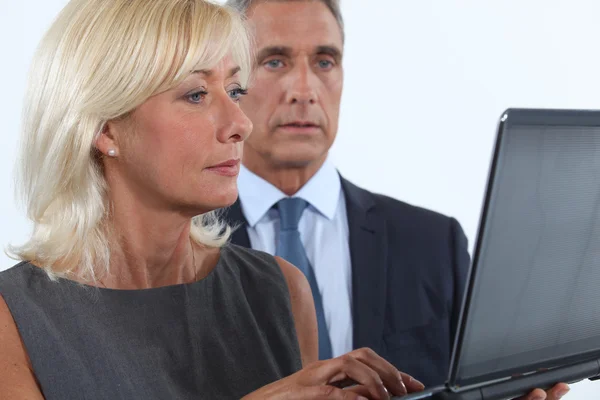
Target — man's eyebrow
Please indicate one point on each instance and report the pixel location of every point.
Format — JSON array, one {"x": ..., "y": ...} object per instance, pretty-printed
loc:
[
  {"x": 331, "y": 50},
  {"x": 285, "y": 51},
  {"x": 273, "y": 51}
]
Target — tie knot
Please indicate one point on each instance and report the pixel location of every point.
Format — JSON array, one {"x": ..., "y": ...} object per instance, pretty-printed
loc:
[{"x": 290, "y": 211}]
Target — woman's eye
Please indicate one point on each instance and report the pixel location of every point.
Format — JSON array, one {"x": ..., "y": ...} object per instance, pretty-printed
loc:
[
  {"x": 196, "y": 97},
  {"x": 237, "y": 93}
]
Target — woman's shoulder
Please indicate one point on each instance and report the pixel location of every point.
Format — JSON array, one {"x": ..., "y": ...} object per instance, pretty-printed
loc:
[
  {"x": 15, "y": 275},
  {"x": 303, "y": 310},
  {"x": 295, "y": 279},
  {"x": 250, "y": 262},
  {"x": 16, "y": 374},
  {"x": 264, "y": 263},
  {"x": 15, "y": 268},
  {"x": 264, "y": 272},
  {"x": 235, "y": 251}
]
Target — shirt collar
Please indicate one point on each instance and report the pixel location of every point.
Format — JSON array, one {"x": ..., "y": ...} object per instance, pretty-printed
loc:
[{"x": 257, "y": 196}]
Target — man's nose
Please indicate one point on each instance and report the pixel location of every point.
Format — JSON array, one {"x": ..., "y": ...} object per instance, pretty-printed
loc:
[{"x": 303, "y": 82}]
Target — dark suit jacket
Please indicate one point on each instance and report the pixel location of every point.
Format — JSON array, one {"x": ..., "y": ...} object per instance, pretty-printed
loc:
[{"x": 409, "y": 268}]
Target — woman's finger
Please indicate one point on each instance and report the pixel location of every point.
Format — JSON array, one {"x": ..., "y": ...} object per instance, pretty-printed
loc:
[
  {"x": 341, "y": 372},
  {"x": 359, "y": 390},
  {"x": 364, "y": 375},
  {"x": 391, "y": 377},
  {"x": 412, "y": 385},
  {"x": 328, "y": 392}
]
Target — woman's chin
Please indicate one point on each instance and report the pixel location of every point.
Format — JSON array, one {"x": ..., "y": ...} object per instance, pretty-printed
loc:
[{"x": 222, "y": 200}]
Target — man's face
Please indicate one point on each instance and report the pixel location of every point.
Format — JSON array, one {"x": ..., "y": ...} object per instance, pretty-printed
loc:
[{"x": 294, "y": 96}]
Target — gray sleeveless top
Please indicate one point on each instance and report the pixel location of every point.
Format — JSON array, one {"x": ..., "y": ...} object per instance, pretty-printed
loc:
[{"x": 219, "y": 338}]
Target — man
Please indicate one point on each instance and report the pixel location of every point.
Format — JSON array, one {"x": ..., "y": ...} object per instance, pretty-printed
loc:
[{"x": 385, "y": 274}]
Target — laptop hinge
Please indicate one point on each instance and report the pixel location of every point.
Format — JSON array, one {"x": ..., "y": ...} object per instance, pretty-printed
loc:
[{"x": 518, "y": 385}]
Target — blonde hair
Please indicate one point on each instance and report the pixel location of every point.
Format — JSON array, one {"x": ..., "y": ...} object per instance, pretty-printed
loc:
[{"x": 99, "y": 60}]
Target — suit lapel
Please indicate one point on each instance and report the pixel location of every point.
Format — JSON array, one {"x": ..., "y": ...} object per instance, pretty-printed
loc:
[
  {"x": 235, "y": 218},
  {"x": 368, "y": 250},
  {"x": 368, "y": 256}
]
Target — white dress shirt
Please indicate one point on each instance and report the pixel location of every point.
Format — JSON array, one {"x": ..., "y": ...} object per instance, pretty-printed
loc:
[{"x": 324, "y": 232}]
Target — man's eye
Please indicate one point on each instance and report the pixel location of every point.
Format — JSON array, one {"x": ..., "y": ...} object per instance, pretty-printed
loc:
[
  {"x": 325, "y": 64},
  {"x": 274, "y": 63}
]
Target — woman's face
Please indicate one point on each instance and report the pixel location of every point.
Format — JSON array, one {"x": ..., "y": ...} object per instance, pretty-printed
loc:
[{"x": 182, "y": 148}]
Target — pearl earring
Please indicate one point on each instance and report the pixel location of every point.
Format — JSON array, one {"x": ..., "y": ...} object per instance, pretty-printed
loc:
[{"x": 112, "y": 152}]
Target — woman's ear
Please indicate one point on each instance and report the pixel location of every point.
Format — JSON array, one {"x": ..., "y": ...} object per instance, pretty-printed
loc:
[{"x": 106, "y": 143}]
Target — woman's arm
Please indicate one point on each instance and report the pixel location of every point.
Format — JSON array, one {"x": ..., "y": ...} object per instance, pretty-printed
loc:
[
  {"x": 303, "y": 309},
  {"x": 17, "y": 380},
  {"x": 375, "y": 377}
]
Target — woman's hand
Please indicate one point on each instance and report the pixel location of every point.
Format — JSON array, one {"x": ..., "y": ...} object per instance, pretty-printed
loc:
[{"x": 371, "y": 376}]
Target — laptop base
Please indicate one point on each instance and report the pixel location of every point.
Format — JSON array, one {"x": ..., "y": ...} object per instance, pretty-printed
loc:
[{"x": 517, "y": 386}]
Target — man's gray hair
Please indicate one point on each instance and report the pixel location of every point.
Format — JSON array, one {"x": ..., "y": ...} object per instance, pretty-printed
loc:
[{"x": 334, "y": 6}]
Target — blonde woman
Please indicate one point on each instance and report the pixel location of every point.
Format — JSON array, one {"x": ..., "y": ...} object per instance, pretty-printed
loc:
[{"x": 132, "y": 136}]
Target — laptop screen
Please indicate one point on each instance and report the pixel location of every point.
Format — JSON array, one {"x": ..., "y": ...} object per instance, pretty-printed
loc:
[{"x": 536, "y": 297}]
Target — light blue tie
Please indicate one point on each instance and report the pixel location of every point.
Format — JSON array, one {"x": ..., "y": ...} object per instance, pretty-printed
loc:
[{"x": 290, "y": 248}]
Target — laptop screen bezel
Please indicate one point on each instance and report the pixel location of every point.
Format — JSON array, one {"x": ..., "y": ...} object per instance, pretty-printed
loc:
[{"x": 510, "y": 118}]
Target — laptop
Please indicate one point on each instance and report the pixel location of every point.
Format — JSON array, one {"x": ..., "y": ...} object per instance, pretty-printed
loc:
[{"x": 531, "y": 311}]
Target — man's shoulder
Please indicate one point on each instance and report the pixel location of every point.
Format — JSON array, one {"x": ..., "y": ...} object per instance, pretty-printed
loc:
[{"x": 397, "y": 211}]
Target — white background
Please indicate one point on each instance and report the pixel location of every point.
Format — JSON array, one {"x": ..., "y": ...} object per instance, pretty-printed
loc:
[{"x": 425, "y": 84}]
